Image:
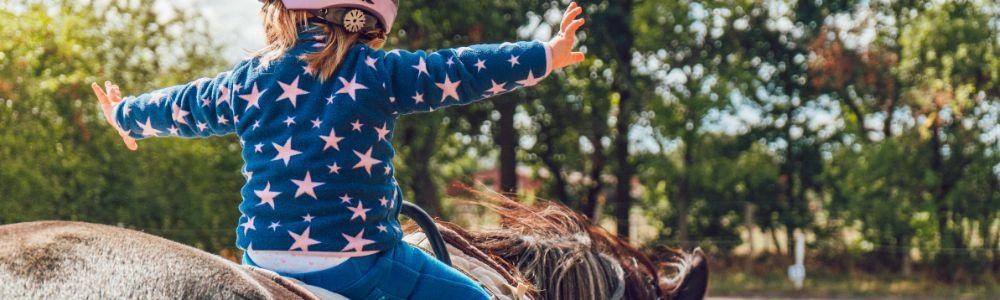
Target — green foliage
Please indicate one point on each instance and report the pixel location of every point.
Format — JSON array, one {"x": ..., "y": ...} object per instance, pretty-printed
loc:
[{"x": 59, "y": 158}]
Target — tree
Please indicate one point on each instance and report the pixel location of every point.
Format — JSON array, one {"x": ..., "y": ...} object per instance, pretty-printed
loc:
[{"x": 61, "y": 161}]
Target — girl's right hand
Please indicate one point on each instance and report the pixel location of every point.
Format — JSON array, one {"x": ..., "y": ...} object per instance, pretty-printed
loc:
[
  {"x": 562, "y": 44},
  {"x": 109, "y": 97}
]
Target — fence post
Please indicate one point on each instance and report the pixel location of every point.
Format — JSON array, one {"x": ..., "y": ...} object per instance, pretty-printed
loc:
[{"x": 797, "y": 272}]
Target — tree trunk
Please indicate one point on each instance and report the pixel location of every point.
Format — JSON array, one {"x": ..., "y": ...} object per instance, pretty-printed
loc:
[
  {"x": 626, "y": 106},
  {"x": 507, "y": 140},
  {"x": 554, "y": 166},
  {"x": 595, "y": 194},
  {"x": 684, "y": 188},
  {"x": 943, "y": 262}
]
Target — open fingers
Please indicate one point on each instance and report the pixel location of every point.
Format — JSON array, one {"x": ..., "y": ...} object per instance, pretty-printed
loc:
[
  {"x": 571, "y": 6},
  {"x": 101, "y": 96},
  {"x": 570, "y": 17},
  {"x": 573, "y": 27},
  {"x": 115, "y": 94}
]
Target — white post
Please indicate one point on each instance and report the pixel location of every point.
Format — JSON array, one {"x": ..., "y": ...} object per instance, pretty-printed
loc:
[{"x": 797, "y": 272}]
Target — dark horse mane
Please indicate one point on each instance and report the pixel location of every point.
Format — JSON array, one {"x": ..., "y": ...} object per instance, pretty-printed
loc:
[{"x": 559, "y": 254}]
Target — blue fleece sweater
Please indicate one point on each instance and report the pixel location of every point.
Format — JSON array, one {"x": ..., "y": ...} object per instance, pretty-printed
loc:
[{"x": 318, "y": 154}]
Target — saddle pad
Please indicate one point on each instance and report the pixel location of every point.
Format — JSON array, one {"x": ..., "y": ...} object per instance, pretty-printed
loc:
[{"x": 486, "y": 276}]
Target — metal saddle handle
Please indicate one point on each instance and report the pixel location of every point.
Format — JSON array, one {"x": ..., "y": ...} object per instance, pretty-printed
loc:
[{"x": 430, "y": 229}]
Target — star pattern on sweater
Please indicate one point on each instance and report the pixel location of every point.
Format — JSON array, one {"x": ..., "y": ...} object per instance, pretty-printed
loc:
[
  {"x": 356, "y": 242},
  {"x": 291, "y": 91},
  {"x": 366, "y": 161},
  {"x": 332, "y": 136},
  {"x": 302, "y": 240},
  {"x": 307, "y": 186},
  {"x": 351, "y": 87},
  {"x": 267, "y": 196}
]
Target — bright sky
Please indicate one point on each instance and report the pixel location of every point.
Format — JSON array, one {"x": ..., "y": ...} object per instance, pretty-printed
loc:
[{"x": 236, "y": 23}]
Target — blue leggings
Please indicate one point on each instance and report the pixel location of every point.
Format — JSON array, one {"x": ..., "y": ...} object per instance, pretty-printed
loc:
[{"x": 403, "y": 272}]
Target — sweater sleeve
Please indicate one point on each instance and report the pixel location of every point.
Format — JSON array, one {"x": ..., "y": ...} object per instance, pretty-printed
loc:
[
  {"x": 199, "y": 109},
  {"x": 422, "y": 82}
]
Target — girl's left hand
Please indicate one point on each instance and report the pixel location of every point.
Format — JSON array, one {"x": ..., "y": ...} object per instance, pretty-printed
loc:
[
  {"x": 109, "y": 97},
  {"x": 562, "y": 44}
]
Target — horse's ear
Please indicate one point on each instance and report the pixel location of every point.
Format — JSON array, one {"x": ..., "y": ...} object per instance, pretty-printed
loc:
[{"x": 695, "y": 282}]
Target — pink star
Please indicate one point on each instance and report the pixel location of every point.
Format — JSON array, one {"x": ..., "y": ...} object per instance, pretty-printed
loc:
[
  {"x": 173, "y": 130},
  {"x": 309, "y": 70},
  {"x": 357, "y": 242},
  {"x": 291, "y": 92},
  {"x": 384, "y": 201},
  {"x": 224, "y": 97},
  {"x": 421, "y": 67},
  {"x": 370, "y": 61},
  {"x": 223, "y": 120},
  {"x": 419, "y": 98},
  {"x": 531, "y": 80},
  {"x": 480, "y": 65},
  {"x": 147, "y": 129},
  {"x": 302, "y": 241},
  {"x": 359, "y": 212},
  {"x": 285, "y": 152},
  {"x": 388, "y": 170},
  {"x": 332, "y": 140},
  {"x": 202, "y": 126},
  {"x": 290, "y": 121},
  {"x": 306, "y": 186},
  {"x": 317, "y": 122},
  {"x": 357, "y": 125},
  {"x": 267, "y": 196},
  {"x": 450, "y": 62},
  {"x": 274, "y": 226},
  {"x": 382, "y": 228},
  {"x": 351, "y": 87},
  {"x": 346, "y": 199},
  {"x": 248, "y": 225},
  {"x": 334, "y": 169},
  {"x": 206, "y": 102},
  {"x": 259, "y": 148},
  {"x": 253, "y": 99},
  {"x": 179, "y": 114},
  {"x": 366, "y": 161},
  {"x": 308, "y": 218},
  {"x": 497, "y": 88},
  {"x": 449, "y": 89},
  {"x": 514, "y": 60},
  {"x": 383, "y": 132}
]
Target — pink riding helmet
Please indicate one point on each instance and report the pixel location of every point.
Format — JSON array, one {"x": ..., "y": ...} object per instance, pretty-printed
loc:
[{"x": 384, "y": 10}]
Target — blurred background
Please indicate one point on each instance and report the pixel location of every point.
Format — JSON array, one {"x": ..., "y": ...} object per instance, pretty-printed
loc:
[{"x": 868, "y": 127}]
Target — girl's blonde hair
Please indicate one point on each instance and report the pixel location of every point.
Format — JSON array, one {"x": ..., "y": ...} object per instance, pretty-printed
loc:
[{"x": 281, "y": 30}]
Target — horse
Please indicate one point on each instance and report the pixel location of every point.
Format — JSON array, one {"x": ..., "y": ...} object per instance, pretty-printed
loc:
[{"x": 539, "y": 251}]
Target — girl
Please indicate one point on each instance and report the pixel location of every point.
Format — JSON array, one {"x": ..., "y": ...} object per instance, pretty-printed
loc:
[{"x": 315, "y": 112}]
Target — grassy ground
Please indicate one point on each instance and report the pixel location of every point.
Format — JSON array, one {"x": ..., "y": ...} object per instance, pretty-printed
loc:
[{"x": 736, "y": 284}]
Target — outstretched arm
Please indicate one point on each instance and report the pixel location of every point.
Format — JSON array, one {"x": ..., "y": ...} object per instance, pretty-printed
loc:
[
  {"x": 420, "y": 81},
  {"x": 198, "y": 109}
]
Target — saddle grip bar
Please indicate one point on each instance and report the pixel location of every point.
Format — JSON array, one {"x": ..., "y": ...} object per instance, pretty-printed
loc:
[{"x": 430, "y": 229}]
